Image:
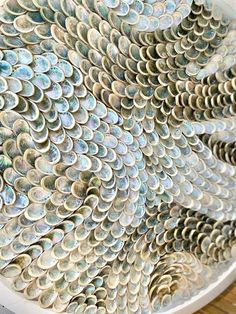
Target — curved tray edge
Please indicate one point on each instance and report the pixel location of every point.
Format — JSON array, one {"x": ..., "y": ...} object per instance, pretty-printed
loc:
[{"x": 205, "y": 296}]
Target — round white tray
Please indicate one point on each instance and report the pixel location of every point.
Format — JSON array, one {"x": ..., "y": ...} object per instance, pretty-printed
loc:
[{"x": 205, "y": 296}]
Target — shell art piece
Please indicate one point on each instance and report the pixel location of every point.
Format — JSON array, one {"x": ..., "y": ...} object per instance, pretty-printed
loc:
[{"x": 118, "y": 154}]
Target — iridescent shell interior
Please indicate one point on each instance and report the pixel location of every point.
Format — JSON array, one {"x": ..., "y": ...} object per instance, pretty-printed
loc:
[{"x": 117, "y": 151}]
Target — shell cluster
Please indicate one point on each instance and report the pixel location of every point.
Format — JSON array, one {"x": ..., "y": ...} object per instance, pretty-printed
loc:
[{"x": 117, "y": 151}]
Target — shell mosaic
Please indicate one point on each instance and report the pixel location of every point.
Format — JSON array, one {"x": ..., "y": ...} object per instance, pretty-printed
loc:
[{"x": 117, "y": 151}]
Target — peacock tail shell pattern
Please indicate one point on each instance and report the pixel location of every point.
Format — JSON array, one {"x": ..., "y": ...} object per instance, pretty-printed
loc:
[{"x": 117, "y": 151}]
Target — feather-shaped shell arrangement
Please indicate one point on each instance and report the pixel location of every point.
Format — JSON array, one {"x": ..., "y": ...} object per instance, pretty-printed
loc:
[{"x": 118, "y": 154}]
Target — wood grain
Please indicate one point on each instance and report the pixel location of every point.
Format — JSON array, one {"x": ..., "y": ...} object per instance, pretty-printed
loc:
[{"x": 224, "y": 304}]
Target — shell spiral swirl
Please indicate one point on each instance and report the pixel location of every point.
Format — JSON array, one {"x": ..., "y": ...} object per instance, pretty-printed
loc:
[{"x": 118, "y": 154}]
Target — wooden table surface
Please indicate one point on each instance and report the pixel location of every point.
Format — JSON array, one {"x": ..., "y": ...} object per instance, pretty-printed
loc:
[{"x": 224, "y": 304}]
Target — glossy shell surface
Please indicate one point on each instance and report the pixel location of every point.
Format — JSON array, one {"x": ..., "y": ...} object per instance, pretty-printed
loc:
[{"x": 118, "y": 154}]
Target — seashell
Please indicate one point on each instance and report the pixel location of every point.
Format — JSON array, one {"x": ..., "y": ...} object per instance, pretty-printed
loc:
[
  {"x": 34, "y": 212},
  {"x": 28, "y": 90},
  {"x": 12, "y": 8},
  {"x": 11, "y": 270},
  {"x": 41, "y": 80},
  {"x": 55, "y": 91},
  {"x": 83, "y": 163},
  {"x": 14, "y": 85},
  {"x": 22, "y": 24},
  {"x": 41, "y": 64},
  {"x": 39, "y": 195},
  {"x": 47, "y": 298},
  {"x": 5, "y": 68},
  {"x": 23, "y": 72},
  {"x": 32, "y": 291},
  {"x": 9, "y": 57}
]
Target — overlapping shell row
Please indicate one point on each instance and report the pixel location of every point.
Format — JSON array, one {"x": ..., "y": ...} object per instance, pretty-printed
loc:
[{"x": 117, "y": 159}]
